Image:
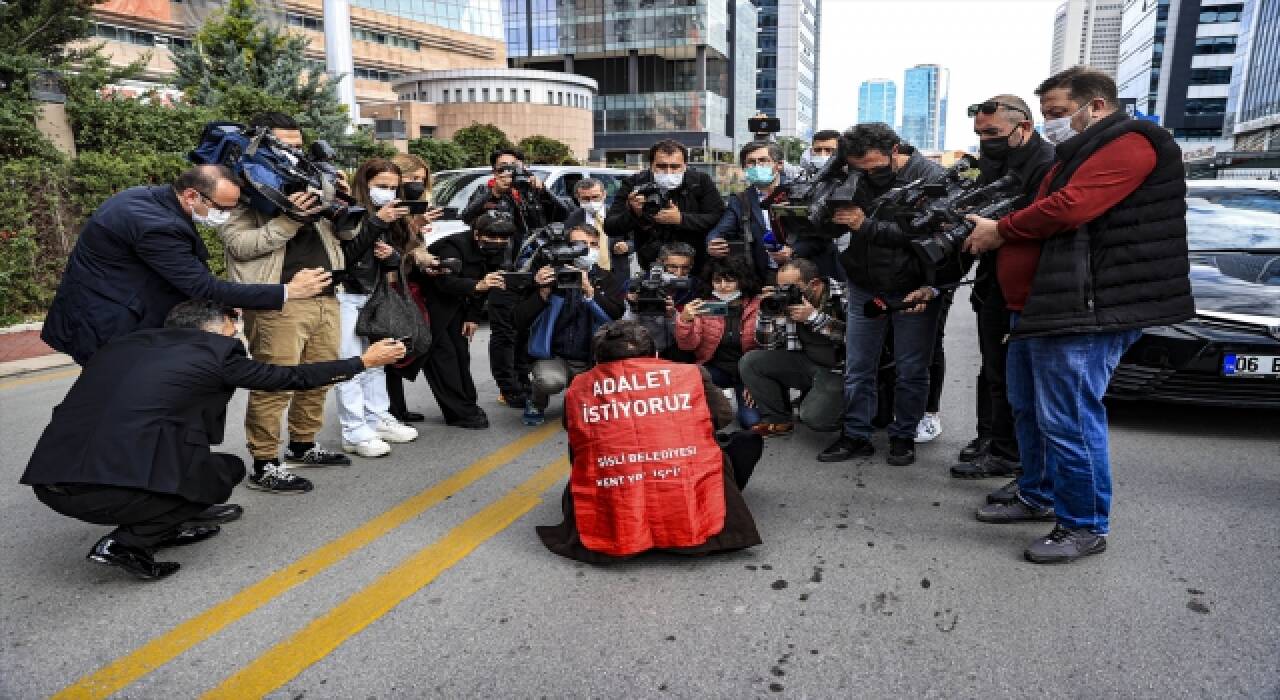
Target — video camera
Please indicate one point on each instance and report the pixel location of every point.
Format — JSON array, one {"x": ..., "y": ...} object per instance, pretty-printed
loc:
[
  {"x": 804, "y": 206},
  {"x": 653, "y": 288},
  {"x": 272, "y": 171},
  {"x": 521, "y": 177},
  {"x": 776, "y": 302},
  {"x": 558, "y": 251}
]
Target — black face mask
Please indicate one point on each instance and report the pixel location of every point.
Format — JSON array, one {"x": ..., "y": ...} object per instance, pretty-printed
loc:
[
  {"x": 881, "y": 178},
  {"x": 413, "y": 191},
  {"x": 996, "y": 149}
]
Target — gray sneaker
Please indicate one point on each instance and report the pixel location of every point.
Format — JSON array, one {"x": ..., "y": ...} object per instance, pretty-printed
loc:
[
  {"x": 986, "y": 466},
  {"x": 1005, "y": 494},
  {"x": 1063, "y": 545},
  {"x": 1016, "y": 512}
]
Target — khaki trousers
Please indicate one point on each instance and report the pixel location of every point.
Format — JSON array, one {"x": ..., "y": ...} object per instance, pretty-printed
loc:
[{"x": 306, "y": 330}]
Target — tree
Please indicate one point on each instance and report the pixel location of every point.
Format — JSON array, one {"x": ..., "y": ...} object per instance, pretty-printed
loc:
[
  {"x": 546, "y": 150},
  {"x": 478, "y": 141},
  {"x": 439, "y": 154},
  {"x": 239, "y": 64},
  {"x": 792, "y": 148}
]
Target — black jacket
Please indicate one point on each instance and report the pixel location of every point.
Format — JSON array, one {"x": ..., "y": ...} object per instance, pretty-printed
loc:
[
  {"x": 700, "y": 204},
  {"x": 145, "y": 410},
  {"x": 1127, "y": 268},
  {"x": 363, "y": 268},
  {"x": 1031, "y": 162},
  {"x": 545, "y": 209},
  {"x": 609, "y": 296},
  {"x": 446, "y": 294},
  {"x": 137, "y": 256},
  {"x": 879, "y": 257}
]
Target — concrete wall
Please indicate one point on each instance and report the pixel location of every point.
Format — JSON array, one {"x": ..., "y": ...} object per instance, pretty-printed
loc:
[{"x": 567, "y": 124}]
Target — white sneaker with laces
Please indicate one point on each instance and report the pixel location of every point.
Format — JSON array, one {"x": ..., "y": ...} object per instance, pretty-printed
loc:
[
  {"x": 930, "y": 427},
  {"x": 373, "y": 447},
  {"x": 392, "y": 430}
]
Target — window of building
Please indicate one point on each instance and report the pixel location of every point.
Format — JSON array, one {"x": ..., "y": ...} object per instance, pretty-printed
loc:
[
  {"x": 500, "y": 94},
  {"x": 484, "y": 94},
  {"x": 444, "y": 95},
  {"x": 551, "y": 97},
  {"x": 1218, "y": 14},
  {"x": 1215, "y": 45},
  {"x": 1206, "y": 105},
  {"x": 471, "y": 94},
  {"x": 514, "y": 95},
  {"x": 426, "y": 132},
  {"x": 294, "y": 19},
  {"x": 1197, "y": 133},
  {"x": 528, "y": 96},
  {"x": 1210, "y": 76},
  {"x": 457, "y": 95}
]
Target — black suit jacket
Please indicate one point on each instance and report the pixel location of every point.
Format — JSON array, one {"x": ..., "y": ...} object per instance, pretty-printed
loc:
[
  {"x": 147, "y": 407},
  {"x": 138, "y": 256}
]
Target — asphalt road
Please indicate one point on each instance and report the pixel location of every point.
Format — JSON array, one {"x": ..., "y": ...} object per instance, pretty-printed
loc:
[{"x": 419, "y": 575}]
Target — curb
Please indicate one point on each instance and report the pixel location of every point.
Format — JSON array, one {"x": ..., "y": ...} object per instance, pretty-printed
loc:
[{"x": 34, "y": 364}]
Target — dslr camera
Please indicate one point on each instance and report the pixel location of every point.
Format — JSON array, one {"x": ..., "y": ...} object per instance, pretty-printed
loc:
[
  {"x": 653, "y": 288},
  {"x": 655, "y": 199},
  {"x": 562, "y": 254},
  {"x": 521, "y": 178},
  {"x": 776, "y": 302},
  {"x": 447, "y": 266}
]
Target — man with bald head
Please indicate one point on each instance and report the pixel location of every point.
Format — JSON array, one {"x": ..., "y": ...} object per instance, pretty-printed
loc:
[{"x": 139, "y": 255}]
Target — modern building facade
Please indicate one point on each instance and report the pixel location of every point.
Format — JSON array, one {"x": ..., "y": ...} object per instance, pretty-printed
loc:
[
  {"x": 787, "y": 63},
  {"x": 1176, "y": 63},
  {"x": 1252, "y": 120},
  {"x": 1087, "y": 32},
  {"x": 924, "y": 106},
  {"x": 878, "y": 101}
]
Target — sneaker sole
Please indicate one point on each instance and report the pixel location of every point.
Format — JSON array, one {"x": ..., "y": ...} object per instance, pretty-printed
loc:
[
  {"x": 391, "y": 439},
  {"x": 311, "y": 465},
  {"x": 255, "y": 487},
  {"x": 981, "y": 475},
  {"x": 856, "y": 455},
  {"x": 1098, "y": 549},
  {"x": 1048, "y": 518},
  {"x": 920, "y": 441}
]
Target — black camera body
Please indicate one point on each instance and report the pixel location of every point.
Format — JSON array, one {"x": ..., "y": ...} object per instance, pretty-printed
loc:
[
  {"x": 653, "y": 288},
  {"x": 811, "y": 200},
  {"x": 776, "y": 302},
  {"x": 447, "y": 266},
  {"x": 558, "y": 251},
  {"x": 521, "y": 177},
  {"x": 655, "y": 199}
]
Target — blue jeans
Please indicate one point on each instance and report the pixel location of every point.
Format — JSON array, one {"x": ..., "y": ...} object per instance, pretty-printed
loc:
[
  {"x": 747, "y": 415},
  {"x": 1055, "y": 386},
  {"x": 914, "y": 336}
]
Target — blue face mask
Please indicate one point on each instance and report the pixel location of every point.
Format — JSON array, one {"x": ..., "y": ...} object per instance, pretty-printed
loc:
[{"x": 760, "y": 174}]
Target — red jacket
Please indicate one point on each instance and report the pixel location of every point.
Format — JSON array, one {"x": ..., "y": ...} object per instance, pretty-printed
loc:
[{"x": 702, "y": 335}]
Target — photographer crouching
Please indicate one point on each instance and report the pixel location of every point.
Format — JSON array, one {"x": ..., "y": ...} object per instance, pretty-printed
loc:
[
  {"x": 585, "y": 297},
  {"x": 655, "y": 296},
  {"x": 668, "y": 203}
]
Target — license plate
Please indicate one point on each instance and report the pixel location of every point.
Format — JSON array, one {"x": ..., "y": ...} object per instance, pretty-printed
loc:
[{"x": 1237, "y": 365}]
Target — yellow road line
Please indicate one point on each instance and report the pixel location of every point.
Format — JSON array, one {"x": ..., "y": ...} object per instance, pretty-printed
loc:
[
  {"x": 283, "y": 662},
  {"x": 168, "y": 646},
  {"x": 41, "y": 377}
]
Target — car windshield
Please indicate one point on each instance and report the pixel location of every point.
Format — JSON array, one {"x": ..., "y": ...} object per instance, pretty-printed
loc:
[
  {"x": 1234, "y": 218},
  {"x": 450, "y": 189}
]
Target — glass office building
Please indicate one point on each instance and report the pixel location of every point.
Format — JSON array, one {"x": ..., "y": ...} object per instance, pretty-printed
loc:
[
  {"x": 1253, "y": 101},
  {"x": 878, "y": 102},
  {"x": 787, "y": 63},
  {"x": 481, "y": 17},
  {"x": 924, "y": 106}
]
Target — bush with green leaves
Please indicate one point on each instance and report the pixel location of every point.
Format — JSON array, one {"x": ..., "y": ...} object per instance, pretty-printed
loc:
[
  {"x": 439, "y": 154},
  {"x": 546, "y": 151},
  {"x": 479, "y": 141}
]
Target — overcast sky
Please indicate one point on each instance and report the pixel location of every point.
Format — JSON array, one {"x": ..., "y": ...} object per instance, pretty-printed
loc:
[{"x": 991, "y": 46}]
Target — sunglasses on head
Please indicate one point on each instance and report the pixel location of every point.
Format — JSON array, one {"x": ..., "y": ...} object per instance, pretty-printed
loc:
[{"x": 990, "y": 107}]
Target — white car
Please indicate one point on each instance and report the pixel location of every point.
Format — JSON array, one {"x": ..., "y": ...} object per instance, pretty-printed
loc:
[{"x": 452, "y": 189}]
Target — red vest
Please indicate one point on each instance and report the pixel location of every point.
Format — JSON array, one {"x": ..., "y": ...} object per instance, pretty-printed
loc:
[{"x": 647, "y": 472}]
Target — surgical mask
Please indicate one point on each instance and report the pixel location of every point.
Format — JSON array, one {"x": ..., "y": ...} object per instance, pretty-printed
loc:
[
  {"x": 586, "y": 262},
  {"x": 996, "y": 149},
  {"x": 760, "y": 175},
  {"x": 381, "y": 196},
  {"x": 413, "y": 191},
  {"x": 727, "y": 296},
  {"x": 818, "y": 161},
  {"x": 595, "y": 209},
  {"x": 1060, "y": 129},
  {"x": 668, "y": 181},
  {"x": 215, "y": 217}
]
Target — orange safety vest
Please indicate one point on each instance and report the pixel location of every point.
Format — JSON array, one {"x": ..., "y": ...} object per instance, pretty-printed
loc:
[{"x": 647, "y": 471}]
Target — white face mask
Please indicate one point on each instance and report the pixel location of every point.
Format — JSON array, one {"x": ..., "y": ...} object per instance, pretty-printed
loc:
[
  {"x": 595, "y": 209},
  {"x": 589, "y": 260},
  {"x": 669, "y": 181},
  {"x": 727, "y": 296},
  {"x": 1060, "y": 129},
  {"x": 215, "y": 217},
  {"x": 818, "y": 161},
  {"x": 381, "y": 196}
]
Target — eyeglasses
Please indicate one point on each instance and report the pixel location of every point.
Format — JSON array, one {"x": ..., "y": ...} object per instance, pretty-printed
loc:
[
  {"x": 990, "y": 107},
  {"x": 759, "y": 161},
  {"x": 212, "y": 203}
]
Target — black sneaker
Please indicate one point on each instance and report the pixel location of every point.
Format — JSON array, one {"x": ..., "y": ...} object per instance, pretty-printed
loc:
[
  {"x": 317, "y": 456},
  {"x": 479, "y": 422},
  {"x": 1005, "y": 494},
  {"x": 1063, "y": 545},
  {"x": 846, "y": 447},
  {"x": 276, "y": 479},
  {"x": 902, "y": 451},
  {"x": 986, "y": 466},
  {"x": 975, "y": 447},
  {"x": 1016, "y": 512}
]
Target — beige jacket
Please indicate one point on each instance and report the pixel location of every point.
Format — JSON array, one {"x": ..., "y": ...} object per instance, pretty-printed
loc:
[{"x": 255, "y": 245}]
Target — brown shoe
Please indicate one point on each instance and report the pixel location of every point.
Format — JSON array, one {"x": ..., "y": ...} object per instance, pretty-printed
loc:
[{"x": 768, "y": 430}]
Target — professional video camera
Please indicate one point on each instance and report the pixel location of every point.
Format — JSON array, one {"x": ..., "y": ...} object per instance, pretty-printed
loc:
[
  {"x": 776, "y": 302},
  {"x": 804, "y": 206},
  {"x": 272, "y": 171},
  {"x": 557, "y": 250},
  {"x": 653, "y": 288}
]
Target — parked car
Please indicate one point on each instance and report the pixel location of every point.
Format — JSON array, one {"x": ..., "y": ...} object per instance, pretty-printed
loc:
[
  {"x": 452, "y": 189},
  {"x": 1229, "y": 354}
]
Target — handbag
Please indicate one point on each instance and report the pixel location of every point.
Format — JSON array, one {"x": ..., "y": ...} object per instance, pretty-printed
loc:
[{"x": 391, "y": 313}]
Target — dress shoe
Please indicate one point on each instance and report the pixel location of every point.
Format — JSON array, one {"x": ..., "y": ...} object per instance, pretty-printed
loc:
[
  {"x": 974, "y": 448},
  {"x": 408, "y": 416},
  {"x": 1005, "y": 494},
  {"x": 986, "y": 466},
  {"x": 135, "y": 560},
  {"x": 846, "y": 447},
  {"x": 902, "y": 452},
  {"x": 218, "y": 514},
  {"x": 188, "y": 534},
  {"x": 480, "y": 422}
]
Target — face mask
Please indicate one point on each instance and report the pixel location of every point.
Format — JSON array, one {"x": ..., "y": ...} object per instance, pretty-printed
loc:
[
  {"x": 381, "y": 196},
  {"x": 880, "y": 178},
  {"x": 727, "y": 296},
  {"x": 760, "y": 175},
  {"x": 413, "y": 191},
  {"x": 594, "y": 209},
  {"x": 668, "y": 181},
  {"x": 818, "y": 161},
  {"x": 996, "y": 149},
  {"x": 586, "y": 262},
  {"x": 215, "y": 217},
  {"x": 1060, "y": 129}
]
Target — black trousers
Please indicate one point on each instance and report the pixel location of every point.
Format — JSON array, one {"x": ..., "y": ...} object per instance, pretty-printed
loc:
[
  {"x": 508, "y": 361},
  {"x": 143, "y": 517},
  {"x": 743, "y": 449},
  {"x": 448, "y": 366},
  {"x": 993, "y": 328},
  {"x": 938, "y": 368}
]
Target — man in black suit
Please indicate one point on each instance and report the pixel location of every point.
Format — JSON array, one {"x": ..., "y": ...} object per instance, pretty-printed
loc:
[
  {"x": 129, "y": 446},
  {"x": 140, "y": 254}
]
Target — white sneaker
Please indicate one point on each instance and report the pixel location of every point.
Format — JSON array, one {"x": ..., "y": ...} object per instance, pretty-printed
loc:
[
  {"x": 374, "y": 447},
  {"x": 394, "y": 431},
  {"x": 930, "y": 427}
]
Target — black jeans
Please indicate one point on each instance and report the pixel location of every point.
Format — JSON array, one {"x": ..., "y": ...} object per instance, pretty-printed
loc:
[
  {"x": 993, "y": 332},
  {"x": 508, "y": 361},
  {"x": 448, "y": 367},
  {"x": 143, "y": 517}
]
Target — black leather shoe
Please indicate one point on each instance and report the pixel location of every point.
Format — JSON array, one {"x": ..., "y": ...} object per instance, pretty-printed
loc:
[
  {"x": 188, "y": 534},
  {"x": 846, "y": 447},
  {"x": 216, "y": 515},
  {"x": 135, "y": 560},
  {"x": 988, "y": 465},
  {"x": 976, "y": 447},
  {"x": 408, "y": 416},
  {"x": 902, "y": 451}
]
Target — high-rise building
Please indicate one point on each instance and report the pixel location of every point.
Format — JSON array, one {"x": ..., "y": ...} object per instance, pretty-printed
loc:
[
  {"x": 663, "y": 71},
  {"x": 1253, "y": 100},
  {"x": 924, "y": 106},
  {"x": 787, "y": 63},
  {"x": 878, "y": 101},
  {"x": 1087, "y": 33},
  {"x": 1176, "y": 61}
]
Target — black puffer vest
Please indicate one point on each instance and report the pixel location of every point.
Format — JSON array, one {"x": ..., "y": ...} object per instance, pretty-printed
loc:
[{"x": 1127, "y": 268}]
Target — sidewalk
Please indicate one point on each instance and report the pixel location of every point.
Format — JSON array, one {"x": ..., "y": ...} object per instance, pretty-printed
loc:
[{"x": 22, "y": 351}]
